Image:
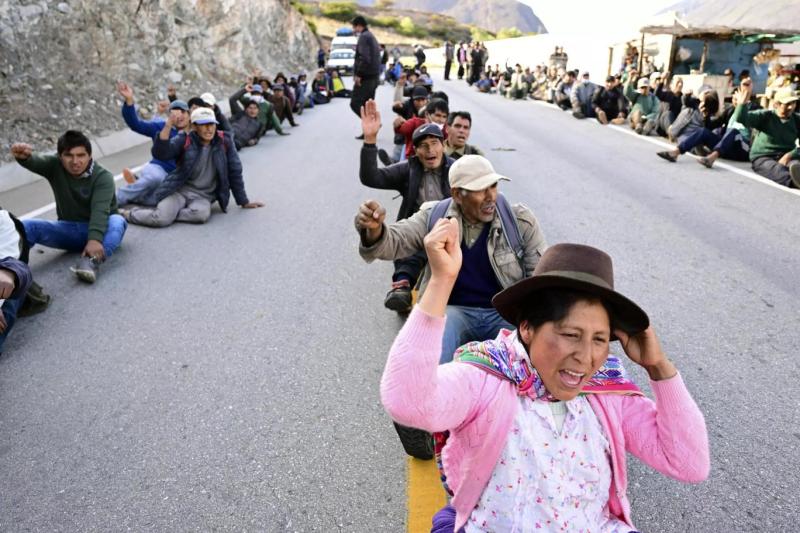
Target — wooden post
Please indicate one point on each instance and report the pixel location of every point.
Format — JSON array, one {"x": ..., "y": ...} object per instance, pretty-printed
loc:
[
  {"x": 673, "y": 49},
  {"x": 703, "y": 57},
  {"x": 610, "y": 59},
  {"x": 641, "y": 55}
]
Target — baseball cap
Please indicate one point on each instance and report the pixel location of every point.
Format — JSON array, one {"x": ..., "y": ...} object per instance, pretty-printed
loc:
[
  {"x": 257, "y": 89},
  {"x": 786, "y": 96},
  {"x": 209, "y": 99},
  {"x": 179, "y": 104},
  {"x": 204, "y": 115},
  {"x": 643, "y": 82},
  {"x": 473, "y": 173},
  {"x": 419, "y": 92},
  {"x": 277, "y": 87},
  {"x": 426, "y": 130}
]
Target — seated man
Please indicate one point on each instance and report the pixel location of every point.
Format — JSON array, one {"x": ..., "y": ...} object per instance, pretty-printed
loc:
[
  {"x": 734, "y": 137},
  {"x": 694, "y": 126},
  {"x": 244, "y": 121},
  {"x": 85, "y": 202},
  {"x": 490, "y": 263},
  {"x": 208, "y": 101},
  {"x": 774, "y": 153},
  {"x": 484, "y": 84},
  {"x": 419, "y": 179},
  {"x": 15, "y": 275},
  {"x": 140, "y": 186},
  {"x": 563, "y": 94},
  {"x": 208, "y": 170},
  {"x": 320, "y": 88},
  {"x": 266, "y": 112},
  {"x": 581, "y": 97},
  {"x": 517, "y": 88},
  {"x": 672, "y": 96},
  {"x": 405, "y": 109},
  {"x": 459, "y": 125},
  {"x": 644, "y": 106},
  {"x": 282, "y": 105},
  {"x": 609, "y": 102},
  {"x": 436, "y": 112},
  {"x": 339, "y": 90}
]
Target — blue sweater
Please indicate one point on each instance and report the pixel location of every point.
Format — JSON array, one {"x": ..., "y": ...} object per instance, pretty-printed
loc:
[
  {"x": 476, "y": 282},
  {"x": 148, "y": 128}
]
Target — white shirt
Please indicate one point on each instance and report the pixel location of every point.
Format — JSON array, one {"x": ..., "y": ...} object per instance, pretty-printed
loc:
[
  {"x": 9, "y": 238},
  {"x": 550, "y": 480}
]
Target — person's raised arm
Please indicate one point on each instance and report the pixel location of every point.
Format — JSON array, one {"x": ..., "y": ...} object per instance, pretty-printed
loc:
[{"x": 43, "y": 165}]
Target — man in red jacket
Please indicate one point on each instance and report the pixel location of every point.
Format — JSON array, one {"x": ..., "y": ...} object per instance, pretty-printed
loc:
[{"x": 436, "y": 112}]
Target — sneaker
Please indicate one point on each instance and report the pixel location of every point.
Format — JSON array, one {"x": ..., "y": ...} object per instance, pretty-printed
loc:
[
  {"x": 648, "y": 127},
  {"x": 385, "y": 158},
  {"x": 668, "y": 156},
  {"x": 36, "y": 301},
  {"x": 129, "y": 176},
  {"x": 86, "y": 269},
  {"x": 639, "y": 128},
  {"x": 794, "y": 173},
  {"x": 706, "y": 162},
  {"x": 399, "y": 298}
]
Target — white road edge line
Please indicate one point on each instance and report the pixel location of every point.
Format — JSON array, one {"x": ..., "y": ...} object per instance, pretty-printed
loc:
[
  {"x": 658, "y": 142},
  {"x": 49, "y": 207}
]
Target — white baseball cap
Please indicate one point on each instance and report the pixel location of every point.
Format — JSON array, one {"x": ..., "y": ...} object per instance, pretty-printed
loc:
[
  {"x": 473, "y": 173},
  {"x": 643, "y": 82},
  {"x": 209, "y": 99},
  {"x": 204, "y": 115}
]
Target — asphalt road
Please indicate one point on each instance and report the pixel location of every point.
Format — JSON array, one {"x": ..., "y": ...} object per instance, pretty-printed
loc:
[{"x": 225, "y": 377}]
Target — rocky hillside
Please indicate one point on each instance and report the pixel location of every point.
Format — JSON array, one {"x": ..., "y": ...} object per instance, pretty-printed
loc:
[
  {"x": 60, "y": 59},
  {"x": 493, "y": 15}
]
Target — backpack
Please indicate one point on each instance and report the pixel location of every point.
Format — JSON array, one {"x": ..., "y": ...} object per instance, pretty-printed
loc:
[{"x": 508, "y": 222}]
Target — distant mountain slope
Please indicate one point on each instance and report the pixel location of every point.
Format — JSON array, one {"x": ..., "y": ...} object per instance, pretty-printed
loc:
[{"x": 489, "y": 14}]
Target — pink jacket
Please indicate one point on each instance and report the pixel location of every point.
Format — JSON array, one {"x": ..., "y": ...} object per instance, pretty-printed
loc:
[{"x": 478, "y": 409}]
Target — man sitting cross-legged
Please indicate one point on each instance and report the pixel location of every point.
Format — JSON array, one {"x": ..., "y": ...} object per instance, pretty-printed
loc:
[
  {"x": 501, "y": 245},
  {"x": 85, "y": 203},
  {"x": 209, "y": 169}
]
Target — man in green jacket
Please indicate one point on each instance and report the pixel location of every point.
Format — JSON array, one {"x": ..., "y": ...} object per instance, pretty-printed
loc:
[
  {"x": 774, "y": 153},
  {"x": 86, "y": 205},
  {"x": 266, "y": 111},
  {"x": 645, "y": 106}
]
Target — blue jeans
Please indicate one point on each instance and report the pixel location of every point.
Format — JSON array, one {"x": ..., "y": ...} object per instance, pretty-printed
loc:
[
  {"x": 698, "y": 137},
  {"x": 72, "y": 236},
  {"x": 731, "y": 146},
  {"x": 141, "y": 191},
  {"x": 466, "y": 324},
  {"x": 10, "y": 308}
]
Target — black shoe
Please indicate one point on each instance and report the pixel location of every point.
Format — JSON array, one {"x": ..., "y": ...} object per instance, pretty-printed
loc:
[
  {"x": 399, "y": 298},
  {"x": 360, "y": 137},
  {"x": 794, "y": 173},
  {"x": 668, "y": 156},
  {"x": 86, "y": 269},
  {"x": 706, "y": 162},
  {"x": 385, "y": 158},
  {"x": 36, "y": 301}
]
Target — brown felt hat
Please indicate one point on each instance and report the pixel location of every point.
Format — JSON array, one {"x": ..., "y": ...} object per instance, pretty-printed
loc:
[{"x": 578, "y": 267}]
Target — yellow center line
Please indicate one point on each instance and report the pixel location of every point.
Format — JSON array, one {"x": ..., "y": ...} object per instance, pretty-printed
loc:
[{"x": 425, "y": 494}]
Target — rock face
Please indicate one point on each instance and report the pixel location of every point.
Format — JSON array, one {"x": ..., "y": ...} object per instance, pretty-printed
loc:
[{"x": 59, "y": 60}]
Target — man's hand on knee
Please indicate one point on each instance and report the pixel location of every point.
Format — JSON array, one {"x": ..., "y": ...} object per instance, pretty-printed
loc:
[{"x": 95, "y": 250}]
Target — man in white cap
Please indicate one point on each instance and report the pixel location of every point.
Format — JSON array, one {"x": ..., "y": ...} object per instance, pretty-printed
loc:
[
  {"x": 208, "y": 170},
  {"x": 500, "y": 243},
  {"x": 774, "y": 153},
  {"x": 644, "y": 106}
]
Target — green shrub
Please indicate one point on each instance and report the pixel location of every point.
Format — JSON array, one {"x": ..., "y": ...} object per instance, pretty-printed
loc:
[
  {"x": 508, "y": 33},
  {"x": 344, "y": 11},
  {"x": 385, "y": 22}
]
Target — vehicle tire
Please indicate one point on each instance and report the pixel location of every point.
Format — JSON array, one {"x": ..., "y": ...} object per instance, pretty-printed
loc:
[{"x": 416, "y": 442}]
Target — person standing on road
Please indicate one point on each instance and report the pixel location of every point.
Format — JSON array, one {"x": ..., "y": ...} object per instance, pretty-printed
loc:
[
  {"x": 421, "y": 178},
  {"x": 449, "y": 54},
  {"x": 86, "y": 205},
  {"x": 462, "y": 59},
  {"x": 459, "y": 126},
  {"x": 540, "y": 418},
  {"x": 487, "y": 223},
  {"x": 366, "y": 68},
  {"x": 320, "y": 58},
  {"x": 476, "y": 64},
  {"x": 774, "y": 153},
  {"x": 141, "y": 185},
  {"x": 208, "y": 170}
]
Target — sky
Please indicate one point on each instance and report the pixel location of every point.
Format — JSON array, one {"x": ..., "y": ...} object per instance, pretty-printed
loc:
[{"x": 596, "y": 18}]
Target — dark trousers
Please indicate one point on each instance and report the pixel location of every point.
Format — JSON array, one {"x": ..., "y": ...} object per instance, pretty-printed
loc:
[
  {"x": 700, "y": 136},
  {"x": 461, "y": 71},
  {"x": 410, "y": 267},
  {"x": 447, "y": 66},
  {"x": 361, "y": 93},
  {"x": 770, "y": 168},
  {"x": 731, "y": 146}
]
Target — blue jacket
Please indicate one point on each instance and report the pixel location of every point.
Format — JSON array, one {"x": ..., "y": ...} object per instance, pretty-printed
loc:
[
  {"x": 223, "y": 155},
  {"x": 148, "y": 128}
]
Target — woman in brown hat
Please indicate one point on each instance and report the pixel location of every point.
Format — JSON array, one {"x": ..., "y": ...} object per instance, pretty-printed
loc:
[{"x": 532, "y": 428}]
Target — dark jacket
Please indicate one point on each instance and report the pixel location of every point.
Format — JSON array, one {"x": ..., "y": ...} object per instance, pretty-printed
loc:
[
  {"x": 612, "y": 102},
  {"x": 224, "y": 157},
  {"x": 674, "y": 101},
  {"x": 245, "y": 128},
  {"x": 368, "y": 56},
  {"x": 404, "y": 177},
  {"x": 23, "y": 274}
]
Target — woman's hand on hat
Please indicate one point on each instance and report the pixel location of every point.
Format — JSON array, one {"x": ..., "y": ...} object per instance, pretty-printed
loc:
[
  {"x": 443, "y": 246},
  {"x": 644, "y": 349}
]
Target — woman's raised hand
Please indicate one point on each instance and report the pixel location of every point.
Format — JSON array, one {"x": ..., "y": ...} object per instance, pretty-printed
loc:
[
  {"x": 645, "y": 350},
  {"x": 443, "y": 246}
]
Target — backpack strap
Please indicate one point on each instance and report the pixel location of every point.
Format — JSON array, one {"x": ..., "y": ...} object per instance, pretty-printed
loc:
[
  {"x": 510, "y": 228},
  {"x": 438, "y": 212}
]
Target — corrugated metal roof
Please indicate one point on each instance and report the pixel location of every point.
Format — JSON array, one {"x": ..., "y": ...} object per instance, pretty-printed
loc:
[{"x": 691, "y": 17}]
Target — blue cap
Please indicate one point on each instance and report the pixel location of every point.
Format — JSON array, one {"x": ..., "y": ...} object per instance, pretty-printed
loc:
[
  {"x": 179, "y": 104},
  {"x": 426, "y": 130},
  {"x": 257, "y": 89}
]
